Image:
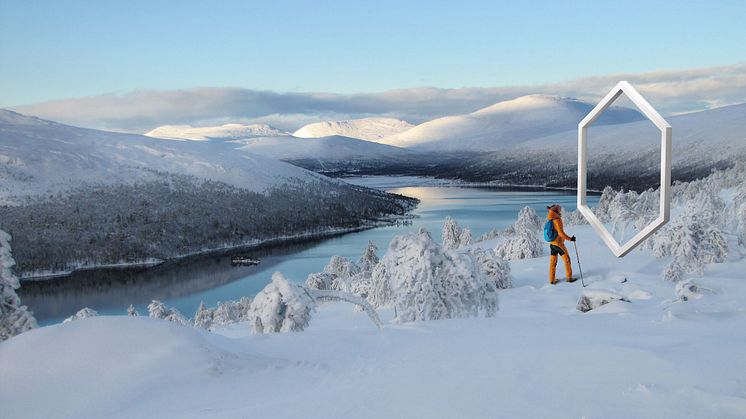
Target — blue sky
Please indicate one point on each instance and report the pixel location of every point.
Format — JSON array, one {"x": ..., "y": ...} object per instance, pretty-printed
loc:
[{"x": 65, "y": 49}]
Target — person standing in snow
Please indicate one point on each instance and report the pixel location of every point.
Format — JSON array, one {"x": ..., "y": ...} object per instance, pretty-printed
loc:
[{"x": 557, "y": 244}]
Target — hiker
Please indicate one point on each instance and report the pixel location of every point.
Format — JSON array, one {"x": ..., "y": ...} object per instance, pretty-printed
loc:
[{"x": 556, "y": 236}]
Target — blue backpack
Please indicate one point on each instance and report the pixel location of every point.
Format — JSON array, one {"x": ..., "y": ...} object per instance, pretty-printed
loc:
[{"x": 549, "y": 233}]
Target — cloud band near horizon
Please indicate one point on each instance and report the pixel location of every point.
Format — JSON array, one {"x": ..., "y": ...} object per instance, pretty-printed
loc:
[{"x": 670, "y": 91}]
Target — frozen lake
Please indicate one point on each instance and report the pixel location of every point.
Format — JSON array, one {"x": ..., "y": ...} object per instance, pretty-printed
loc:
[{"x": 185, "y": 283}]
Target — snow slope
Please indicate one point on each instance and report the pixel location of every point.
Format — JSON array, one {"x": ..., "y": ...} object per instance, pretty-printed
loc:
[
  {"x": 703, "y": 136},
  {"x": 222, "y": 132},
  {"x": 504, "y": 124},
  {"x": 371, "y": 129},
  {"x": 652, "y": 357},
  {"x": 333, "y": 148},
  {"x": 38, "y": 156}
]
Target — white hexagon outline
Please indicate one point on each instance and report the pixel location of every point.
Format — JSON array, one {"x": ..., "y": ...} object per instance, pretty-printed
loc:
[{"x": 665, "y": 183}]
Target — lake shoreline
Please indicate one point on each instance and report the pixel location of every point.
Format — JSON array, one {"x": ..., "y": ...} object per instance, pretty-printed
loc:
[{"x": 218, "y": 251}]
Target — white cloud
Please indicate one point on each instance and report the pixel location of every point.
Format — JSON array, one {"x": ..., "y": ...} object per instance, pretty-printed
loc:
[{"x": 670, "y": 91}]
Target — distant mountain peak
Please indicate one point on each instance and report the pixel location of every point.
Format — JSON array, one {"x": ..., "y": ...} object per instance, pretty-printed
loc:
[
  {"x": 230, "y": 131},
  {"x": 370, "y": 129}
]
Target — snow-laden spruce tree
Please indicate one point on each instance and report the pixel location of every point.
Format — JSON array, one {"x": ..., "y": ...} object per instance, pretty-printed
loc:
[
  {"x": 369, "y": 258},
  {"x": 158, "y": 310},
  {"x": 132, "y": 311},
  {"x": 493, "y": 268},
  {"x": 602, "y": 209},
  {"x": 524, "y": 243},
  {"x": 341, "y": 274},
  {"x": 285, "y": 306},
  {"x": 693, "y": 238},
  {"x": 422, "y": 280},
  {"x": 83, "y": 313},
  {"x": 321, "y": 280},
  {"x": 229, "y": 312},
  {"x": 14, "y": 317},
  {"x": 282, "y": 306},
  {"x": 224, "y": 314},
  {"x": 528, "y": 220},
  {"x": 341, "y": 267},
  {"x": 203, "y": 317},
  {"x": 451, "y": 234}
]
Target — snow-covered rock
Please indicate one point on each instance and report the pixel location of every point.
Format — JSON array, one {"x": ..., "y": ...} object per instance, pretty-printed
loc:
[
  {"x": 370, "y": 129},
  {"x": 592, "y": 299}
]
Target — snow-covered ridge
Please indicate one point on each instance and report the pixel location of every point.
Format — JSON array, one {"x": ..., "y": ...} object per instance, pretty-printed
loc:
[
  {"x": 222, "y": 132},
  {"x": 371, "y": 129},
  {"x": 504, "y": 124},
  {"x": 39, "y": 157}
]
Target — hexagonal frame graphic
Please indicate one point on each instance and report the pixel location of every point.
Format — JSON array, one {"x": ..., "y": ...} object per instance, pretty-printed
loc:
[{"x": 665, "y": 188}]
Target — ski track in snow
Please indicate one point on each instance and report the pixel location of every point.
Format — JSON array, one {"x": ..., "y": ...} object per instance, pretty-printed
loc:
[{"x": 539, "y": 357}]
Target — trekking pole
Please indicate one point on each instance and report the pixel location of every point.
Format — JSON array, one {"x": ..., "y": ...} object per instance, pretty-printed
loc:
[{"x": 579, "y": 268}]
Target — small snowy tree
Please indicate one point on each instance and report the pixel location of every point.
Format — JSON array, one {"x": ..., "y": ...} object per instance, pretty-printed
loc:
[
  {"x": 493, "y": 268},
  {"x": 341, "y": 267},
  {"x": 369, "y": 259},
  {"x": 451, "y": 234},
  {"x": 14, "y": 317},
  {"x": 528, "y": 220},
  {"x": 524, "y": 242},
  {"x": 230, "y": 312},
  {"x": 424, "y": 281},
  {"x": 321, "y": 281},
  {"x": 464, "y": 239},
  {"x": 84, "y": 313},
  {"x": 203, "y": 317},
  {"x": 282, "y": 306},
  {"x": 158, "y": 310},
  {"x": 132, "y": 311}
]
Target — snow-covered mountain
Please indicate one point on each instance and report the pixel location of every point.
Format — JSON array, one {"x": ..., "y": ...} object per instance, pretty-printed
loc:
[
  {"x": 222, "y": 132},
  {"x": 39, "y": 156},
  {"x": 371, "y": 129},
  {"x": 330, "y": 149},
  {"x": 625, "y": 155},
  {"x": 504, "y": 124}
]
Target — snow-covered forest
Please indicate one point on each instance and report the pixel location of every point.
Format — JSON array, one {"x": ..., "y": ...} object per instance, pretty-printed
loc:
[{"x": 111, "y": 224}]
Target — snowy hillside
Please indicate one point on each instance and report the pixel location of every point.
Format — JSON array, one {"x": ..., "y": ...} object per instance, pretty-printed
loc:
[
  {"x": 626, "y": 153},
  {"x": 222, "y": 132},
  {"x": 111, "y": 198},
  {"x": 700, "y": 136},
  {"x": 504, "y": 124},
  {"x": 331, "y": 149},
  {"x": 371, "y": 129},
  {"x": 38, "y": 156}
]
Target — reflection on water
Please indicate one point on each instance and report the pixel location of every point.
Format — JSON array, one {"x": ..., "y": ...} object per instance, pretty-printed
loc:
[{"x": 185, "y": 283}]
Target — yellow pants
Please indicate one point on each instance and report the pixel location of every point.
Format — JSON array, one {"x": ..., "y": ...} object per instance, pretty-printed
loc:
[{"x": 559, "y": 249}]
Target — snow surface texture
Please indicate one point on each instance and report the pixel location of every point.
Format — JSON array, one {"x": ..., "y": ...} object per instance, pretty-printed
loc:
[
  {"x": 223, "y": 132},
  {"x": 371, "y": 129},
  {"x": 39, "y": 157},
  {"x": 539, "y": 357},
  {"x": 504, "y": 124}
]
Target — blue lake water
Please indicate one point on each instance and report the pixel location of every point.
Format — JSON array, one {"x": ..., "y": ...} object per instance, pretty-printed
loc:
[{"x": 185, "y": 283}]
